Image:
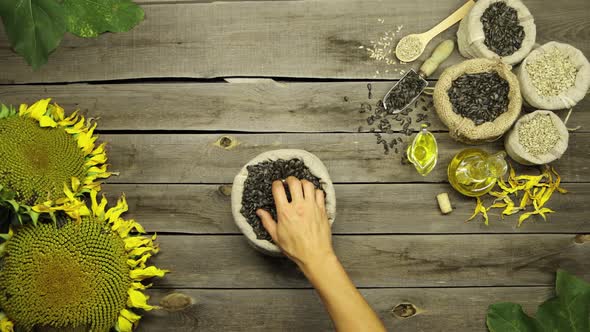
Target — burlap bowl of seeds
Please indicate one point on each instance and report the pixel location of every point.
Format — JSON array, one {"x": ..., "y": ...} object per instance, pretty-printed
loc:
[
  {"x": 537, "y": 138},
  {"x": 554, "y": 76},
  {"x": 487, "y": 123},
  {"x": 252, "y": 189},
  {"x": 493, "y": 29}
]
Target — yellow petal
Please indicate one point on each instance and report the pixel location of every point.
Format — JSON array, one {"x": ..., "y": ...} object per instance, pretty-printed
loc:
[
  {"x": 75, "y": 184},
  {"x": 46, "y": 121},
  {"x": 138, "y": 299},
  {"x": 149, "y": 272},
  {"x": 123, "y": 325},
  {"x": 57, "y": 112},
  {"x": 38, "y": 109},
  {"x": 22, "y": 110}
]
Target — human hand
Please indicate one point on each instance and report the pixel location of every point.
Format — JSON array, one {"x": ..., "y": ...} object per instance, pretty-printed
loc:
[{"x": 302, "y": 231}]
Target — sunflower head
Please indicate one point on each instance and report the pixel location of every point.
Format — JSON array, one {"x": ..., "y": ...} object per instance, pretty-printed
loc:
[
  {"x": 77, "y": 273},
  {"x": 41, "y": 151}
]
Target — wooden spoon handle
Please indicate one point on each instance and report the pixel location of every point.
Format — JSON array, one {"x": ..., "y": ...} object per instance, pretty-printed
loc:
[
  {"x": 440, "y": 54},
  {"x": 449, "y": 21}
]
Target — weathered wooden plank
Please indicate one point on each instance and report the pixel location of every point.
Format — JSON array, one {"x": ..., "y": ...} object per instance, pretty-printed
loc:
[
  {"x": 379, "y": 261},
  {"x": 196, "y": 158},
  {"x": 460, "y": 310},
  {"x": 270, "y": 38},
  {"x": 361, "y": 208},
  {"x": 256, "y": 107}
]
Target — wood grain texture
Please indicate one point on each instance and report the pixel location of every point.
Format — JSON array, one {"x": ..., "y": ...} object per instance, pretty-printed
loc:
[
  {"x": 206, "y": 261},
  {"x": 196, "y": 158},
  {"x": 269, "y": 38},
  {"x": 252, "y": 107},
  {"x": 361, "y": 208},
  {"x": 300, "y": 310}
]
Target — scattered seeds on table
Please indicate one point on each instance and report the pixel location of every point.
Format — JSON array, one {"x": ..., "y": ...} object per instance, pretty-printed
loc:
[
  {"x": 258, "y": 189},
  {"x": 502, "y": 29},
  {"x": 481, "y": 97},
  {"x": 552, "y": 72},
  {"x": 539, "y": 135}
]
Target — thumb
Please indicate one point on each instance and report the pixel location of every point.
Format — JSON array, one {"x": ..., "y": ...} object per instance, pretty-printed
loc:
[{"x": 268, "y": 222}]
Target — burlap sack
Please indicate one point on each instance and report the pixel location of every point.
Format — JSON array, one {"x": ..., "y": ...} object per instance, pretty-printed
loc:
[
  {"x": 316, "y": 167},
  {"x": 470, "y": 36},
  {"x": 517, "y": 152},
  {"x": 464, "y": 129},
  {"x": 568, "y": 98}
]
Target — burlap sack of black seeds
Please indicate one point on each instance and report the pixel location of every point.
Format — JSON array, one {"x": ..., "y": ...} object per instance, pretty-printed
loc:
[
  {"x": 507, "y": 44},
  {"x": 252, "y": 190},
  {"x": 464, "y": 129},
  {"x": 554, "y": 84}
]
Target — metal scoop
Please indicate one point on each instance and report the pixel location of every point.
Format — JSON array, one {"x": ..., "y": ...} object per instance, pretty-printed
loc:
[{"x": 411, "y": 85}]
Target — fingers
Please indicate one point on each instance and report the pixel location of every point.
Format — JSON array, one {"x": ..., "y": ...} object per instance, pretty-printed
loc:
[
  {"x": 278, "y": 193},
  {"x": 320, "y": 199},
  {"x": 308, "y": 190},
  {"x": 268, "y": 222},
  {"x": 295, "y": 189}
]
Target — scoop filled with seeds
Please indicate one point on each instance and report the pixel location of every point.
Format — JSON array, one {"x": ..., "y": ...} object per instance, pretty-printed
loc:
[
  {"x": 493, "y": 29},
  {"x": 478, "y": 100},
  {"x": 537, "y": 138},
  {"x": 554, "y": 76},
  {"x": 252, "y": 190}
]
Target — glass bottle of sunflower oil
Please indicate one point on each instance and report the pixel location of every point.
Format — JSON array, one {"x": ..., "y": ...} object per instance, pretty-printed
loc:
[
  {"x": 474, "y": 172},
  {"x": 423, "y": 152}
]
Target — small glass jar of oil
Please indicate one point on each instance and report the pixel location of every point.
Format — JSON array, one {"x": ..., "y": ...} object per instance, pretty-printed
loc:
[
  {"x": 423, "y": 152},
  {"x": 474, "y": 172}
]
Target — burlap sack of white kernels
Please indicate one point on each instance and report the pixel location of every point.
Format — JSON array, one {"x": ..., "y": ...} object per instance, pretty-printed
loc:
[
  {"x": 464, "y": 129},
  {"x": 517, "y": 152},
  {"x": 567, "y": 99},
  {"x": 316, "y": 167},
  {"x": 470, "y": 36}
]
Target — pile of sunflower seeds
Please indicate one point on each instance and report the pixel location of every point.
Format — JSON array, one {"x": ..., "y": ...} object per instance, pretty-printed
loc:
[
  {"x": 382, "y": 122},
  {"x": 552, "y": 72},
  {"x": 539, "y": 135},
  {"x": 257, "y": 192},
  {"x": 405, "y": 91},
  {"x": 481, "y": 97},
  {"x": 502, "y": 29}
]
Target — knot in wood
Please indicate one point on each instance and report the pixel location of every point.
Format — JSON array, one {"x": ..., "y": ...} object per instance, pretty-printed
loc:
[
  {"x": 225, "y": 141},
  {"x": 404, "y": 310},
  {"x": 582, "y": 238},
  {"x": 225, "y": 190}
]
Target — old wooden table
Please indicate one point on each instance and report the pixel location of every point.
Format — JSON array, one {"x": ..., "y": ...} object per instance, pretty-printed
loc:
[{"x": 164, "y": 99}]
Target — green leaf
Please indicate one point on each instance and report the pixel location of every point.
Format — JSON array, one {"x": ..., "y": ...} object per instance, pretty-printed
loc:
[
  {"x": 569, "y": 311},
  {"x": 509, "y": 317},
  {"x": 34, "y": 28},
  {"x": 89, "y": 18}
]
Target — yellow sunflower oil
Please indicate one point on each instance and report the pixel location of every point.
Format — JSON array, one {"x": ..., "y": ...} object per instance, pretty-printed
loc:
[
  {"x": 474, "y": 172},
  {"x": 423, "y": 152}
]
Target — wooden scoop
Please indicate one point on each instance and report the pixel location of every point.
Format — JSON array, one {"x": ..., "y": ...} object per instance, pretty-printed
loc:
[{"x": 427, "y": 36}]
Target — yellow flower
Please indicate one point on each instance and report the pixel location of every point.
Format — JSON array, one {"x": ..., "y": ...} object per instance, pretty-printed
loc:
[
  {"x": 86, "y": 272},
  {"x": 42, "y": 151}
]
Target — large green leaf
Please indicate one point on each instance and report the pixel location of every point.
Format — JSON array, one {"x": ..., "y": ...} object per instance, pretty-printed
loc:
[
  {"x": 34, "y": 27},
  {"x": 568, "y": 312},
  {"x": 89, "y": 18},
  {"x": 509, "y": 317}
]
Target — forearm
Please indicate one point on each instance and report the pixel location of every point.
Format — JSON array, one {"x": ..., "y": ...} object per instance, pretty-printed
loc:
[{"x": 347, "y": 307}]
